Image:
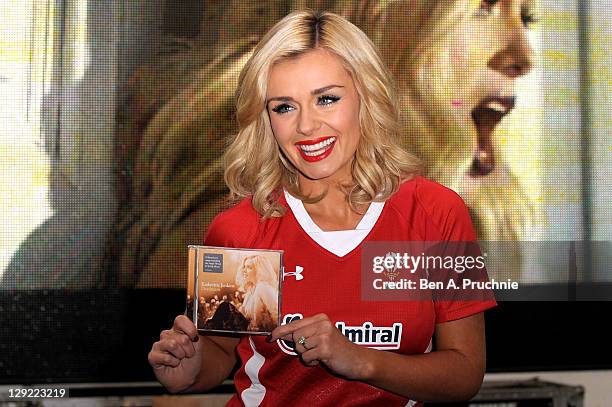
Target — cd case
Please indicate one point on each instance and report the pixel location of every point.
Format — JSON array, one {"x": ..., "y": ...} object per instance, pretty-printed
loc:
[{"x": 233, "y": 290}]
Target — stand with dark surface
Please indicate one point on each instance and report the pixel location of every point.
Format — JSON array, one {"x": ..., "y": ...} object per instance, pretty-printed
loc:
[{"x": 525, "y": 393}]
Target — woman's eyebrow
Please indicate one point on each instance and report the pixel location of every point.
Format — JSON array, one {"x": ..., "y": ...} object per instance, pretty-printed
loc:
[
  {"x": 313, "y": 92},
  {"x": 325, "y": 89}
]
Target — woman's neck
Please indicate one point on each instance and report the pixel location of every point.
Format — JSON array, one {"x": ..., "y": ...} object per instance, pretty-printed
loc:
[{"x": 333, "y": 211}]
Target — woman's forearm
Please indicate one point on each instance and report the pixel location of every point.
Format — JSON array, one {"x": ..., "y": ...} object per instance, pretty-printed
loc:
[{"x": 444, "y": 375}]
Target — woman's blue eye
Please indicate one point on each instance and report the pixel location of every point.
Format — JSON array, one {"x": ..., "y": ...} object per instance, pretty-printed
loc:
[
  {"x": 328, "y": 99},
  {"x": 321, "y": 100},
  {"x": 282, "y": 109}
]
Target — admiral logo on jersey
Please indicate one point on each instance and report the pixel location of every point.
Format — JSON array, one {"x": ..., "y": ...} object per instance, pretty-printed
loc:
[
  {"x": 287, "y": 346},
  {"x": 375, "y": 337}
]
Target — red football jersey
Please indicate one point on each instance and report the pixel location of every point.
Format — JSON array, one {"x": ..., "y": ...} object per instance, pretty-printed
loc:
[{"x": 322, "y": 275}]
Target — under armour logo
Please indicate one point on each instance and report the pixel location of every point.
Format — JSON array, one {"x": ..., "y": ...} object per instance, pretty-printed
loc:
[{"x": 297, "y": 273}]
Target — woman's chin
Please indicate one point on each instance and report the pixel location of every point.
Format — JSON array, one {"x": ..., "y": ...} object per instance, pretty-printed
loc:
[
  {"x": 322, "y": 173},
  {"x": 448, "y": 163}
]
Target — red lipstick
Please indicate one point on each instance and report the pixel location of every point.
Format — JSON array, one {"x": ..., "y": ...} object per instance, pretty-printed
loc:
[{"x": 310, "y": 152}]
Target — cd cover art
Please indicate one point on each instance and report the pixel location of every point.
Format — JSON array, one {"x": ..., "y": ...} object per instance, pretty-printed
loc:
[{"x": 234, "y": 290}]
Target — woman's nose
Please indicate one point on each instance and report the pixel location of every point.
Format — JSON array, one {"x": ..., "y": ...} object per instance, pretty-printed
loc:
[
  {"x": 516, "y": 56},
  {"x": 307, "y": 121}
]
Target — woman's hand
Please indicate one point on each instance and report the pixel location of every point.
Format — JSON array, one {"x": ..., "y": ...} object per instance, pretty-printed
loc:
[
  {"x": 177, "y": 357},
  {"x": 323, "y": 342}
]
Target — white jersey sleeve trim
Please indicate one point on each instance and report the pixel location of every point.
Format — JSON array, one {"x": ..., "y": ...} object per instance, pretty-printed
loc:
[{"x": 255, "y": 393}]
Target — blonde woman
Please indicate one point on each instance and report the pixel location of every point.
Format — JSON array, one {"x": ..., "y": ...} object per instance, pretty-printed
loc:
[
  {"x": 456, "y": 63},
  {"x": 259, "y": 283},
  {"x": 318, "y": 172},
  {"x": 172, "y": 133}
]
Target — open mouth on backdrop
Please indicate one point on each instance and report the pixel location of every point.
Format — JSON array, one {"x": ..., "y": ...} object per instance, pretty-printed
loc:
[
  {"x": 486, "y": 116},
  {"x": 317, "y": 149}
]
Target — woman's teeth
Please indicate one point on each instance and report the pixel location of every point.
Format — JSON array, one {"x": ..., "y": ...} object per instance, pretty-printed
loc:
[
  {"x": 497, "y": 106},
  {"x": 316, "y": 149}
]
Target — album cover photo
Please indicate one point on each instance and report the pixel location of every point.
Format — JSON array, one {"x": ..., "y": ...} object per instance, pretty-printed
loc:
[{"x": 234, "y": 290}]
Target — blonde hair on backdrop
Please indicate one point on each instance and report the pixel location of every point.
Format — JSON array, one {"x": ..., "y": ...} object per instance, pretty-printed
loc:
[
  {"x": 264, "y": 272},
  {"x": 254, "y": 165},
  {"x": 415, "y": 35},
  {"x": 420, "y": 31}
]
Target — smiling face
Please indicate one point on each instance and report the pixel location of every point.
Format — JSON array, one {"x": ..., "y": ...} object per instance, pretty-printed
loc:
[
  {"x": 314, "y": 112},
  {"x": 473, "y": 77}
]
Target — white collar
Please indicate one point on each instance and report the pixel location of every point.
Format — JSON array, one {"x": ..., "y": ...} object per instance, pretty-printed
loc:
[{"x": 339, "y": 242}]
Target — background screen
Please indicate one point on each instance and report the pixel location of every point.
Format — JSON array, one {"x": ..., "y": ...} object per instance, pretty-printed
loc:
[{"x": 115, "y": 116}]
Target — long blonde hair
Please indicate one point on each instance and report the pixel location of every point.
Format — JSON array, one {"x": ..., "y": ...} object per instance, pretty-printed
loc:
[
  {"x": 264, "y": 271},
  {"x": 498, "y": 202},
  {"x": 254, "y": 164},
  {"x": 422, "y": 30}
]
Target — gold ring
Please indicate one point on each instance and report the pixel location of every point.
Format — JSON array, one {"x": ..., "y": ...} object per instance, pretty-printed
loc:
[{"x": 302, "y": 341}]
